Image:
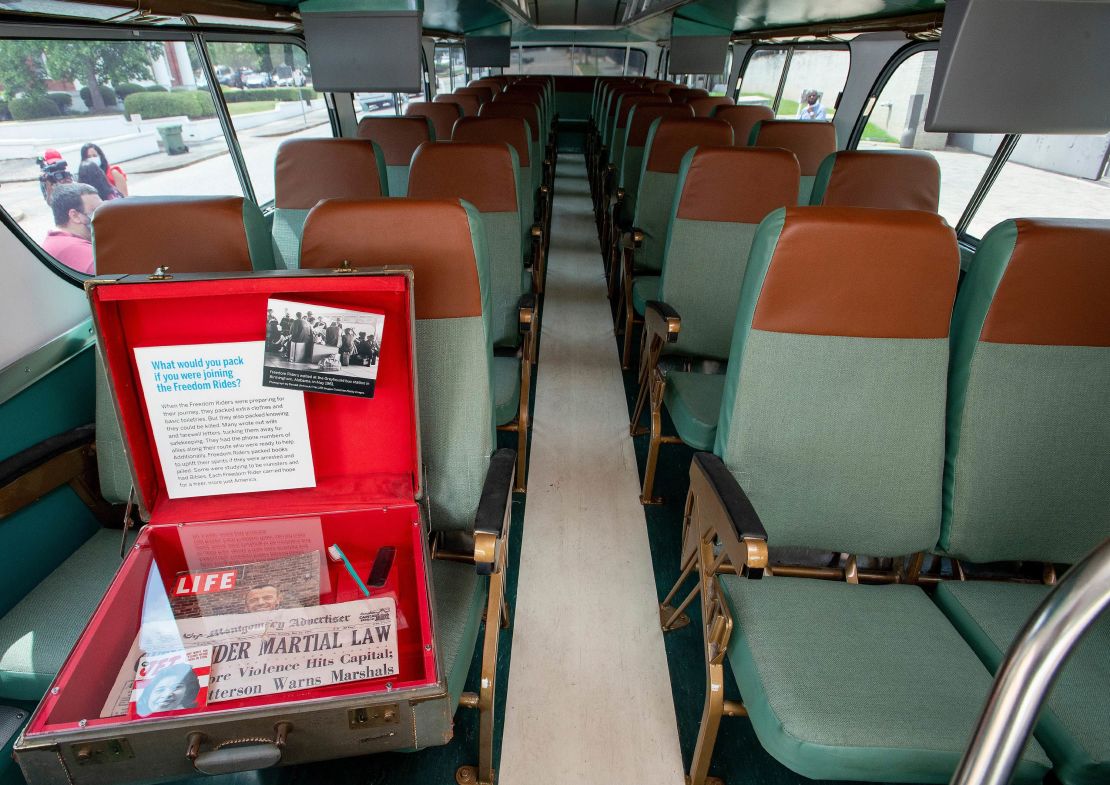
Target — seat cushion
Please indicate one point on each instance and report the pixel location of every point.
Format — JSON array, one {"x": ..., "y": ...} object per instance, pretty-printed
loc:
[
  {"x": 644, "y": 288},
  {"x": 857, "y": 682},
  {"x": 37, "y": 634},
  {"x": 694, "y": 402},
  {"x": 460, "y": 597},
  {"x": 506, "y": 389},
  {"x": 1073, "y": 726}
]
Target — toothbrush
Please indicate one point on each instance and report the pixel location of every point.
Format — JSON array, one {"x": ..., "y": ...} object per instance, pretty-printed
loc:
[{"x": 336, "y": 554}]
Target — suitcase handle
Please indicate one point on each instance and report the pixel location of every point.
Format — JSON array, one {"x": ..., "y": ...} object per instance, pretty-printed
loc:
[{"x": 235, "y": 755}]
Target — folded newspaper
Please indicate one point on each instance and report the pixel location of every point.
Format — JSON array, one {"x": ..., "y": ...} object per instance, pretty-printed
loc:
[{"x": 247, "y": 655}]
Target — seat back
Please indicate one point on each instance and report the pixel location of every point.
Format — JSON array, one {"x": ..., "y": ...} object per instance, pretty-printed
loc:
[
  {"x": 572, "y": 96},
  {"x": 484, "y": 94},
  {"x": 442, "y": 242},
  {"x": 609, "y": 109},
  {"x": 529, "y": 93},
  {"x": 468, "y": 104},
  {"x": 442, "y": 116},
  {"x": 808, "y": 140},
  {"x": 663, "y": 88},
  {"x": 487, "y": 177},
  {"x": 668, "y": 140},
  {"x": 308, "y": 170},
  {"x": 631, "y": 165},
  {"x": 187, "y": 234},
  {"x": 1028, "y": 402},
  {"x": 890, "y": 179},
  {"x": 832, "y": 417},
  {"x": 704, "y": 106},
  {"x": 512, "y": 131},
  {"x": 530, "y": 113},
  {"x": 398, "y": 138},
  {"x": 743, "y": 119},
  {"x": 625, "y": 104},
  {"x": 492, "y": 84},
  {"x": 683, "y": 95},
  {"x": 723, "y": 194}
]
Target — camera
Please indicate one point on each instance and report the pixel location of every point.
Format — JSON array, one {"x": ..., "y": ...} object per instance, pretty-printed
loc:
[{"x": 51, "y": 174}]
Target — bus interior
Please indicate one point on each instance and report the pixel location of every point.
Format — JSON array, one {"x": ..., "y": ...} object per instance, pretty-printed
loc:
[{"x": 757, "y": 390}]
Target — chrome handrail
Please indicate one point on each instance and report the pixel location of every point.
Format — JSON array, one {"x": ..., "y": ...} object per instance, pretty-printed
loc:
[{"x": 1030, "y": 668}]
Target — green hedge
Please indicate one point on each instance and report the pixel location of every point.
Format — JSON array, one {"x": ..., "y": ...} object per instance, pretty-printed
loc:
[
  {"x": 107, "y": 93},
  {"x": 128, "y": 88},
  {"x": 33, "y": 107},
  {"x": 64, "y": 101},
  {"x": 234, "y": 95},
  {"x": 156, "y": 88},
  {"x": 151, "y": 106}
]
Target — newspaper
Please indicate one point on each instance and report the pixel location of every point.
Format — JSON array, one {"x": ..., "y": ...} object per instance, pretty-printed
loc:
[
  {"x": 291, "y": 581},
  {"x": 253, "y": 654}
]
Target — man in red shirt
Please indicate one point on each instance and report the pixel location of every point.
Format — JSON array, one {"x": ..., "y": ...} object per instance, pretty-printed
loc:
[{"x": 70, "y": 241}]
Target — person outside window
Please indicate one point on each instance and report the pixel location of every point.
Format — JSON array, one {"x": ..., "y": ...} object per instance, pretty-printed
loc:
[
  {"x": 812, "y": 109},
  {"x": 90, "y": 174},
  {"x": 70, "y": 241},
  {"x": 116, "y": 178}
]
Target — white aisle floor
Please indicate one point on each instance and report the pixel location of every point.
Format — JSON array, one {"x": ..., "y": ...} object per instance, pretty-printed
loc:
[{"x": 589, "y": 698}]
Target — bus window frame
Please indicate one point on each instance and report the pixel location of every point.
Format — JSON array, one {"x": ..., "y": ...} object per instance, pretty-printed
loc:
[
  {"x": 994, "y": 166},
  {"x": 627, "y": 49},
  {"x": 197, "y": 35},
  {"x": 790, "y": 48}
]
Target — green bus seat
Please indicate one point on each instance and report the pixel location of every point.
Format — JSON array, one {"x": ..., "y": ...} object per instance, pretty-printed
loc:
[
  {"x": 723, "y": 194},
  {"x": 441, "y": 115},
  {"x": 883, "y": 179},
  {"x": 808, "y": 140},
  {"x": 468, "y": 103},
  {"x": 1029, "y": 453},
  {"x": 487, "y": 176},
  {"x": 643, "y": 243},
  {"x": 398, "y": 138},
  {"x": 468, "y": 484},
  {"x": 706, "y": 106},
  {"x": 742, "y": 118},
  {"x": 308, "y": 170}
]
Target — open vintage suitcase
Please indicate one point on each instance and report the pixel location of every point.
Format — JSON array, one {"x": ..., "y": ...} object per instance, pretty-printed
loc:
[{"x": 367, "y": 494}]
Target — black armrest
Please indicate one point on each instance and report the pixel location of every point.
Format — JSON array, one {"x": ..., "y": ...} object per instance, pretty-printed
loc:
[
  {"x": 663, "y": 320},
  {"x": 742, "y": 533},
  {"x": 526, "y": 311},
  {"x": 496, "y": 493},
  {"x": 745, "y": 520},
  {"x": 36, "y": 455}
]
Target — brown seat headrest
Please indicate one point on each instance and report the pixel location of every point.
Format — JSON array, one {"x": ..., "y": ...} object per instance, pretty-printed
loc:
[
  {"x": 738, "y": 184},
  {"x": 852, "y": 271},
  {"x": 398, "y": 137},
  {"x": 308, "y": 170},
  {"x": 705, "y": 105},
  {"x": 810, "y": 141},
  {"x": 1055, "y": 288},
  {"x": 482, "y": 174},
  {"x": 627, "y": 102},
  {"x": 643, "y": 116},
  {"x": 510, "y": 130},
  {"x": 442, "y": 115},
  {"x": 526, "y": 110},
  {"x": 888, "y": 179},
  {"x": 674, "y": 136},
  {"x": 187, "y": 234},
  {"x": 431, "y": 237},
  {"x": 468, "y": 103},
  {"x": 743, "y": 119}
]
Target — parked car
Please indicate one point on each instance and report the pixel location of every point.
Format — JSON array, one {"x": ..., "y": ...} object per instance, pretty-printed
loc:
[
  {"x": 371, "y": 101},
  {"x": 228, "y": 76},
  {"x": 288, "y": 76},
  {"x": 256, "y": 79}
]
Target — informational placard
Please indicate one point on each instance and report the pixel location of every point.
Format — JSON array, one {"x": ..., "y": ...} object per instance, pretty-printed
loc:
[
  {"x": 322, "y": 349},
  {"x": 218, "y": 430}
]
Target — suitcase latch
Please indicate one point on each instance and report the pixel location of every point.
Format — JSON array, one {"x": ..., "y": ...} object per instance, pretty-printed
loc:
[
  {"x": 373, "y": 716},
  {"x": 106, "y": 751},
  {"x": 161, "y": 273}
]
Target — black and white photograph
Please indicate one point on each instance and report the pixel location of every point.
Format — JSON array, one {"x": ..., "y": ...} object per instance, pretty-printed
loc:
[{"x": 321, "y": 349}]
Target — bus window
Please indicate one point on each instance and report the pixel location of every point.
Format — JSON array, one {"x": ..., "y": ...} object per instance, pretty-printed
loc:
[
  {"x": 813, "y": 80},
  {"x": 897, "y": 120},
  {"x": 269, "y": 95},
  {"x": 140, "y": 112},
  {"x": 760, "y": 81},
  {"x": 1048, "y": 177},
  {"x": 577, "y": 60},
  {"x": 450, "y": 67}
]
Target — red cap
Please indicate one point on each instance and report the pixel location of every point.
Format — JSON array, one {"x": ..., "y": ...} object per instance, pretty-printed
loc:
[{"x": 51, "y": 155}]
